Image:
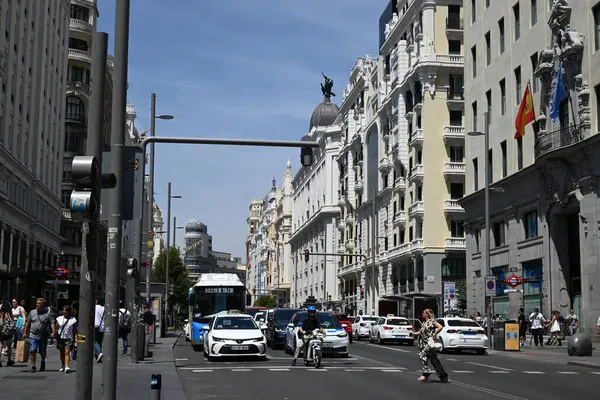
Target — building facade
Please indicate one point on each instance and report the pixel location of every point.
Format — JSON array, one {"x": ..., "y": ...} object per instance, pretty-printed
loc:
[
  {"x": 542, "y": 223},
  {"x": 315, "y": 210},
  {"x": 33, "y": 75}
]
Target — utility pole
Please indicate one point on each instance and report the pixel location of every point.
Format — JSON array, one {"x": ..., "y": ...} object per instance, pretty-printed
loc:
[
  {"x": 150, "y": 210},
  {"x": 115, "y": 221},
  {"x": 90, "y": 230}
]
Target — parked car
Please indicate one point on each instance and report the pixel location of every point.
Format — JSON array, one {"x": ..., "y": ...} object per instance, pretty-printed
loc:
[
  {"x": 277, "y": 322},
  {"x": 462, "y": 334}
]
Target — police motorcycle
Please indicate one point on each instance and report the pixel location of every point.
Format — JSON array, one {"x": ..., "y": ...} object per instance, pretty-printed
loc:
[{"x": 315, "y": 347}]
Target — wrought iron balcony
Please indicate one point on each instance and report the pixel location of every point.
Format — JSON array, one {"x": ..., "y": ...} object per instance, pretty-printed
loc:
[{"x": 556, "y": 140}]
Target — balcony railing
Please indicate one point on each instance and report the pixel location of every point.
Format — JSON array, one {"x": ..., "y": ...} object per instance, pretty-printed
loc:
[{"x": 556, "y": 140}]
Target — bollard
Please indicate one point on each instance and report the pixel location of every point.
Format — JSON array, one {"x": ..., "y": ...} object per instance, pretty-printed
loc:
[{"x": 155, "y": 386}]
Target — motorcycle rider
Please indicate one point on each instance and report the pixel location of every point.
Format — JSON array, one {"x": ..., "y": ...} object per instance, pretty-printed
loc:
[{"x": 305, "y": 330}]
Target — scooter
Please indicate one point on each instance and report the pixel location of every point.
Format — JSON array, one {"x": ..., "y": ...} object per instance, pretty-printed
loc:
[{"x": 315, "y": 347}]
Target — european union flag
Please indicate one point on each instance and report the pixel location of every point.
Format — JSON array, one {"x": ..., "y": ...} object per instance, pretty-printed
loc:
[{"x": 560, "y": 94}]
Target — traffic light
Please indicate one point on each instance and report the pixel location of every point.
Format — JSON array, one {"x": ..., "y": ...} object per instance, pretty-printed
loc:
[
  {"x": 306, "y": 255},
  {"x": 85, "y": 172},
  {"x": 132, "y": 267}
]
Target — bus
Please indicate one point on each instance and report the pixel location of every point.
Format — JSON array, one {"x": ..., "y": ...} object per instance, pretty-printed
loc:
[{"x": 213, "y": 294}]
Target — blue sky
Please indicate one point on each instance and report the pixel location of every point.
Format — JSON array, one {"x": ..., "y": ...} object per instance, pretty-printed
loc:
[{"x": 235, "y": 69}]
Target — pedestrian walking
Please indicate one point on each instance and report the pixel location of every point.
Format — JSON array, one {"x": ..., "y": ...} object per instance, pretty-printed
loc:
[
  {"x": 8, "y": 329},
  {"x": 429, "y": 347},
  {"x": 65, "y": 340},
  {"x": 39, "y": 327}
]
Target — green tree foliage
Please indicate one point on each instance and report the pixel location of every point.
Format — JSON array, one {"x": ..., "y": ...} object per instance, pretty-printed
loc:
[
  {"x": 461, "y": 295},
  {"x": 265, "y": 301},
  {"x": 178, "y": 275}
]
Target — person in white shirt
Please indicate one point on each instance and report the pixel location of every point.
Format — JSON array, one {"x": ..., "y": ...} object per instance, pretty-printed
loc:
[
  {"x": 99, "y": 329},
  {"x": 537, "y": 321},
  {"x": 65, "y": 341}
]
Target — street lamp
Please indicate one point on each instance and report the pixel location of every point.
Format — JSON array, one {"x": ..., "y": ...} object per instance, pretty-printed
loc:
[
  {"x": 488, "y": 230},
  {"x": 169, "y": 196},
  {"x": 153, "y": 118}
]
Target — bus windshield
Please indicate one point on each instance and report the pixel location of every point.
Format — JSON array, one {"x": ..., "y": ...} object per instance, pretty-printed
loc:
[{"x": 209, "y": 300}]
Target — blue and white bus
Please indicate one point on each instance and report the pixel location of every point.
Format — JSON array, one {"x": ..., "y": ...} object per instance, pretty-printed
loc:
[{"x": 212, "y": 294}]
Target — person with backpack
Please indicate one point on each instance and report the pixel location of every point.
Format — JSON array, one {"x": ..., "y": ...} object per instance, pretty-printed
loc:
[{"x": 124, "y": 325}]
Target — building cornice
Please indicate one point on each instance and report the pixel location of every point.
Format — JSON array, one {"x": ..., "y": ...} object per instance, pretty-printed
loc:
[{"x": 322, "y": 212}]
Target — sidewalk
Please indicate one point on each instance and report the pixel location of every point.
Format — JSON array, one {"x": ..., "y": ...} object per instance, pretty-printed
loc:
[
  {"x": 554, "y": 354},
  {"x": 133, "y": 380}
]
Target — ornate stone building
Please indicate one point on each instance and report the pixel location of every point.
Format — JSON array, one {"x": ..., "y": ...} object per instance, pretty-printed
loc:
[{"x": 545, "y": 223}]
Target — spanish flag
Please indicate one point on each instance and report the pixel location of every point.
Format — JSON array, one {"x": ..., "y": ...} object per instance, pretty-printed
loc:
[{"x": 526, "y": 115}]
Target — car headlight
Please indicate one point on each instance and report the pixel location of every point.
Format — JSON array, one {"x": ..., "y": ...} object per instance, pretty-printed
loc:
[
  {"x": 216, "y": 339},
  {"x": 343, "y": 334}
]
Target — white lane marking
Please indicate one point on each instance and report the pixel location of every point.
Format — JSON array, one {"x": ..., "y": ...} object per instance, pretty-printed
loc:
[
  {"x": 499, "y": 372},
  {"x": 567, "y": 373},
  {"x": 463, "y": 372},
  {"x": 202, "y": 370},
  {"x": 533, "y": 372},
  {"x": 391, "y": 370},
  {"x": 279, "y": 369},
  {"x": 489, "y": 366},
  {"x": 181, "y": 359},
  {"x": 241, "y": 370}
]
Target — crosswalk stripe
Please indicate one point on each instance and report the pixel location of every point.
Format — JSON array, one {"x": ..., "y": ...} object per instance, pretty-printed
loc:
[{"x": 533, "y": 372}]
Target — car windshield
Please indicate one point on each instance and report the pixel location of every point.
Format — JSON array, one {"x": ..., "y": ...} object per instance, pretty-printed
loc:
[
  {"x": 326, "y": 320},
  {"x": 284, "y": 316},
  {"x": 462, "y": 322},
  {"x": 235, "y": 323},
  {"x": 397, "y": 322}
]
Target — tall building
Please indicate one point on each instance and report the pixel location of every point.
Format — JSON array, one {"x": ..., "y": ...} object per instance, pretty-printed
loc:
[
  {"x": 541, "y": 222},
  {"x": 33, "y": 75},
  {"x": 82, "y": 25},
  {"x": 315, "y": 210}
]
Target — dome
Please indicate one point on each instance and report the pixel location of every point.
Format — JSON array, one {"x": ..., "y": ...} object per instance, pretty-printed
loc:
[{"x": 325, "y": 114}]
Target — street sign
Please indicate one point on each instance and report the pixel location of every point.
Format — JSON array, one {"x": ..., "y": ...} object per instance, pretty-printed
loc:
[
  {"x": 150, "y": 234},
  {"x": 148, "y": 264},
  {"x": 150, "y": 254},
  {"x": 513, "y": 281},
  {"x": 150, "y": 243},
  {"x": 490, "y": 286}
]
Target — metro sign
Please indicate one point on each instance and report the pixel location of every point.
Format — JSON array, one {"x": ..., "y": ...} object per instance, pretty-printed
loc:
[
  {"x": 513, "y": 281},
  {"x": 58, "y": 271}
]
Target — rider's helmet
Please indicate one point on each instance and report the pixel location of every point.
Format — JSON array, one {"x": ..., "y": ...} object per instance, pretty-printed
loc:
[{"x": 312, "y": 311}]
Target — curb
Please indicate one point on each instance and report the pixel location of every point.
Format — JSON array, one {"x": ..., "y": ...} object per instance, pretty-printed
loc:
[{"x": 583, "y": 364}]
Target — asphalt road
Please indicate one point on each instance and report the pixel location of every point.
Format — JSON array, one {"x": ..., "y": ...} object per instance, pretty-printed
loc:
[{"x": 379, "y": 372}]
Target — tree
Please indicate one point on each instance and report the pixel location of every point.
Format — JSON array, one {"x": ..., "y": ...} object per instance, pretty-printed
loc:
[
  {"x": 178, "y": 275},
  {"x": 461, "y": 295},
  {"x": 265, "y": 301}
]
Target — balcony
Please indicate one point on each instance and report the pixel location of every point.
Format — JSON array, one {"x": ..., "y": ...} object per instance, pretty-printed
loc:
[
  {"x": 455, "y": 169},
  {"x": 400, "y": 184},
  {"x": 80, "y": 26},
  {"x": 557, "y": 140},
  {"x": 454, "y": 134},
  {"x": 456, "y": 243},
  {"x": 399, "y": 218},
  {"x": 416, "y": 209},
  {"x": 455, "y": 99},
  {"x": 385, "y": 165},
  {"x": 416, "y": 139},
  {"x": 454, "y": 26},
  {"x": 452, "y": 207},
  {"x": 358, "y": 186},
  {"x": 80, "y": 55},
  {"x": 416, "y": 174},
  {"x": 350, "y": 219}
]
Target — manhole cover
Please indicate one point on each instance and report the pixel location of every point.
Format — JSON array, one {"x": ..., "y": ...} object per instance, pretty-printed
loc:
[{"x": 30, "y": 376}]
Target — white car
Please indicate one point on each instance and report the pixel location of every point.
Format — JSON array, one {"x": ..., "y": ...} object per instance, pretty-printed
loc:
[
  {"x": 234, "y": 335},
  {"x": 187, "y": 330},
  {"x": 392, "y": 329},
  {"x": 361, "y": 326},
  {"x": 462, "y": 334},
  {"x": 336, "y": 339}
]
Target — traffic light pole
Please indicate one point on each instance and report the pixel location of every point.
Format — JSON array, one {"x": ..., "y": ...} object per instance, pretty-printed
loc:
[
  {"x": 90, "y": 230},
  {"x": 115, "y": 220}
]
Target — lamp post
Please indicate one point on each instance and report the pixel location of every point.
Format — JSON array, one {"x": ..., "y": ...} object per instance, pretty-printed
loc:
[
  {"x": 153, "y": 118},
  {"x": 488, "y": 230},
  {"x": 170, "y": 196}
]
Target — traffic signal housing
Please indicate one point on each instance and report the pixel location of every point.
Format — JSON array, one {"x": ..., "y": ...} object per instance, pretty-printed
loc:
[
  {"x": 87, "y": 179},
  {"x": 306, "y": 255}
]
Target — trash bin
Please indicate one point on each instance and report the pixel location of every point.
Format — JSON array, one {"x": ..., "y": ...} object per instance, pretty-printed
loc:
[{"x": 506, "y": 336}]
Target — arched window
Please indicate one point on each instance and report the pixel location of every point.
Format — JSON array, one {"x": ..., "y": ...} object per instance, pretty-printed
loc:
[{"x": 75, "y": 109}]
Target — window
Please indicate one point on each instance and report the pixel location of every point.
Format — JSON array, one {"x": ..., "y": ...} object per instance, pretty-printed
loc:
[
  {"x": 504, "y": 159},
  {"x": 517, "y": 17},
  {"x": 475, "y": 175},
  {"x": 518, "y": 93},
  {"x": 457, "y": 229},
  {"x": 474, "y": 109},
  {"x": 533, "y": 12},
  {"x": 499, "y": 234},
  {"x": 488, "y": 99},
  {"x": 596, "y": 11},
  {"x": 534, "y": 63},
  {"x": 490, "y": 166},
  {"x": 503, "y": 97},
  {"x": 473, "y": 11},
  {"x": 501, "y": 35},
  {"x": 488, "y": 50},
  {"x": 474, "y": 60},
  {"x": 530, "y": 225},
  {"x": 519, "y": 153}
]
